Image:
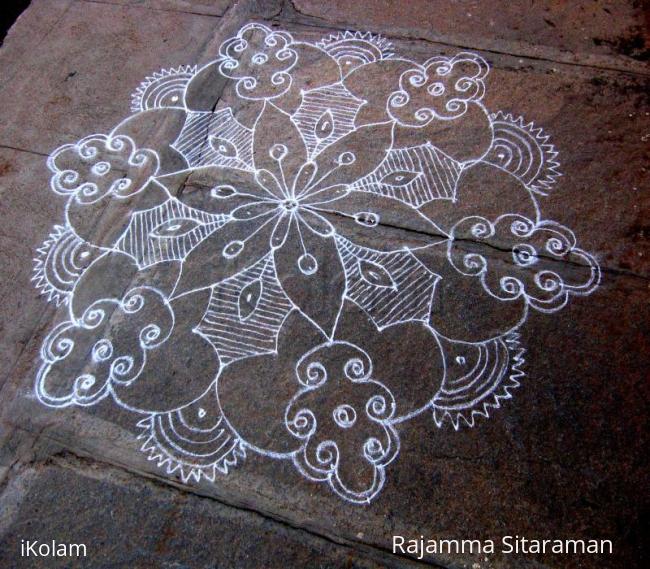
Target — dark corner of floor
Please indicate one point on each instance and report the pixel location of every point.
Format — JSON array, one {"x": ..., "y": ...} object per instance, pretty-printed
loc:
[{"x": 9, "y": 14}]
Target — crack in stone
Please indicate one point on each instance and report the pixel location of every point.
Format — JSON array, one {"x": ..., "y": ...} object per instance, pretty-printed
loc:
[
  {"x": 152, "y": 9},
  {"x": 67, "y": 457},
  {"x": 25, "y": 150},
  {"x": 286, "y": 16}
]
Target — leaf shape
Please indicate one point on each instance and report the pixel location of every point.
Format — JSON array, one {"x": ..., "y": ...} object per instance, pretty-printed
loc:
[
  {"x": 249, "y": 298},
  {"x": 233, "y": 249},
  {"x": 400, "y": 178},
  {"x": 375, "y": 274},
  {"x": 325, "y": 126},
  {"x": 310, "y": 273},
  {"x": 174, "y": 227},
  {"x": 222, "y": 192},
  {"x": 223, "y": 147}
]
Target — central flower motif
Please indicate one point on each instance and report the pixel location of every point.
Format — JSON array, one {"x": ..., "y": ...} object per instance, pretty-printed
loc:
[
  {"x": 297, "y": 206},
  {"x": 293, "y": 197}
]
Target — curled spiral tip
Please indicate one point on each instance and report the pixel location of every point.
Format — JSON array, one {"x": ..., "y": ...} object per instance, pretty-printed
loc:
[
  {"x": 133, "y": 302},
  {"x": 121, "y": 367},
  {"x": 373, "y": 450},
  {"x": 315, "y": 375},
  {"x": 149, "y": 334},
  {"x": 327, "y": 454},
  {"x": 356, "y": 369},
  {"x": 549, "y": 281}
]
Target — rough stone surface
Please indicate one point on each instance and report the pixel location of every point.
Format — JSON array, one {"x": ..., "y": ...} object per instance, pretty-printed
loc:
[{"x": 565, "y": 458}]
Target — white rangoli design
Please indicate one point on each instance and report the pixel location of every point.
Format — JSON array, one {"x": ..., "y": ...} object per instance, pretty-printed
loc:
[{"x": 295, "y": 249}]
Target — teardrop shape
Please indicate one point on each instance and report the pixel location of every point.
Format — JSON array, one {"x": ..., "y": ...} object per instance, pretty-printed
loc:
[
  {"x": 222, "y": 192},
  {"x": 280, "y": 231},
  {"x": 399, "y": 178},
  {"x": 375, "y": 274},
  {"x": 278, "y": 151},
  {"x": 270, "y": 183},
  {"x": 367, "y": 218},
  {"x": 324, "y": 126},
  {"x": 304, "y": 178},
  {"x": 224, "y": 147},
  {"x": 346, "y": 158},
  {"x": 307, "y": 264},
  {"x": 233, "y": 249},
  {"x": 249, "y": 298},
  {"x": 253, "y": 210},
  {"x": 174, "y": 227}
]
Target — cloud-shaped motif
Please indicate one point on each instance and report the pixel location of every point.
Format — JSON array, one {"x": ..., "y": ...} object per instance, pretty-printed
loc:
[
  {"x": 442, "y": 88},
  {"x": 260, "y": 58},
  {"x": 343, "y": 416},
  {"x": 83, "y": 358},
  {"x": 544, "y": 266},
  {"x": 101, "y": 165}
]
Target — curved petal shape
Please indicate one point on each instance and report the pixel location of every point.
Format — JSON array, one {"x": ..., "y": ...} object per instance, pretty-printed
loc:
[
  {"x": 232, "y": 248},
  {"x": 351, "y": 157},
  {"x": 415, "y": 380},
  {"x": 316, "y": 222},
  {"x": 180, "y": 369},
  {"x": 281, "y": 230},
  {"x": 215, "y": 189},
  {"x": 379, "y": 222},
  {"x": 310, "y": 272},
  {"x": 326, "y": 195},
  {"x": 277, "y": 145},
  {"x": 253, "y": 210},
  {"x": 254, "y": 392}
]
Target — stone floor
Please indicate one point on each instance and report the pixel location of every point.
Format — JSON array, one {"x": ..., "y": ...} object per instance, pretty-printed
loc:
[{"x": 488, "y": 316}]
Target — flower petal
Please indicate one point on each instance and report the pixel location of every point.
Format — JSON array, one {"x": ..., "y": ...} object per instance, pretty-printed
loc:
[
  {"x": 253, "y": 210},
  {"x": 230, "y": 249},
  {"x": 304, "y": 178},
  {"x": 254, "y": 392},
  {"x": 281, "y": 231},
  {"x": 277, "y": 145},
  {"x": 326, "y": 195},
  {"x": 310, "y": 271},
  {"x": 270, "y": 184},
  {"x": 316, "y": 222},
  {"x": 215, "y": 189},
  {"x": 352, "y": 156},
  {"x": 359, "y": 217}
]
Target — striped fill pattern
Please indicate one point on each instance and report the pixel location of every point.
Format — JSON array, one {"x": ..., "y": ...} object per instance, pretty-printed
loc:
[
  {"x": 410, "y": 296},
  {"x": 335, "y": 99},
  {"x": 140, "y": 240},
  {"x": 438, "y": 175},
  {"x": 198, "y": 140},
  {"x": 235, "y": 338}
]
